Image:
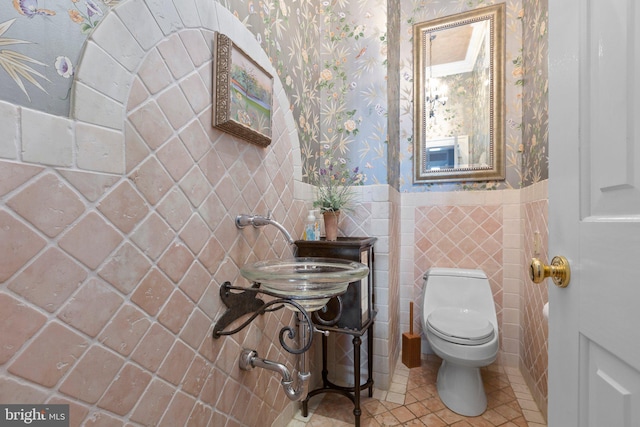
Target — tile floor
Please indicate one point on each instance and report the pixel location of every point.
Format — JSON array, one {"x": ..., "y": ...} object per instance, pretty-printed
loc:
[{"x": 413, "y": 401}]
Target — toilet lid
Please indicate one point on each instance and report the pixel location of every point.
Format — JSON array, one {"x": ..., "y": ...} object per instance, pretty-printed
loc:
[{"x": 460, "y": 325}]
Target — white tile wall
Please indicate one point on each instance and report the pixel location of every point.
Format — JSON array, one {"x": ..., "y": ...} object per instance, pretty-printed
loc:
[
  {"x": 118, "y": 42},
  {"x": 46, "y": 139},
  {"x": 9, "y": 124}
]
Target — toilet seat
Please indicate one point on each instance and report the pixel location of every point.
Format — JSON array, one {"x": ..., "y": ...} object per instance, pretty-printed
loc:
[{"x": 460, "y": 326}]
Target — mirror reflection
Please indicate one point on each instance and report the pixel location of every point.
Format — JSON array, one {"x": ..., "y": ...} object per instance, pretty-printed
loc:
[{"x": 458, "y": 97}]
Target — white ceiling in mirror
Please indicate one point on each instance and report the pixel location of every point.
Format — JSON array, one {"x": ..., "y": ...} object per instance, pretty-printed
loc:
[{"x": 455, "y": 50}]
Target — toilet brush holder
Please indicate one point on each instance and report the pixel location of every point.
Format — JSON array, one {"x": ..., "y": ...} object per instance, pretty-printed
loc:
[{"x": 411, "y": 344}]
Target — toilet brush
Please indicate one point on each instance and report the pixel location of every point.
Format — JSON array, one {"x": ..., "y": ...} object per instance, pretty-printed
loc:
[{"x": 411, "y": 344}]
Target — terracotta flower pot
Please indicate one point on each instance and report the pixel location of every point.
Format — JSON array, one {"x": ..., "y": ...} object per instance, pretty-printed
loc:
[{"x": 331, "y": 224}]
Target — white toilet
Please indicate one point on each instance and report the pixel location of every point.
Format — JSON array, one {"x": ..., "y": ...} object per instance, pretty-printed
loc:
[{"x": 459, "y": 320}]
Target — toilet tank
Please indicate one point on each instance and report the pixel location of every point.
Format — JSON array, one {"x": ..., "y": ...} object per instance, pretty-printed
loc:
[{"x": 455, "y": 287}]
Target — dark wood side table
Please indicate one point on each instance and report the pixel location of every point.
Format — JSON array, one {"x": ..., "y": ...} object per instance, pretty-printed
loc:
[{"x": 356, "y": 319}]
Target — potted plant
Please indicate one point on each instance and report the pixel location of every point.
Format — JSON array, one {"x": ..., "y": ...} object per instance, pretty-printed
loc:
[{"x": 334, "y": 189}]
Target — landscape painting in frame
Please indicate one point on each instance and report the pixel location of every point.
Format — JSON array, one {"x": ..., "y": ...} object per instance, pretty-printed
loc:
[{"x": 242, "y": 91}]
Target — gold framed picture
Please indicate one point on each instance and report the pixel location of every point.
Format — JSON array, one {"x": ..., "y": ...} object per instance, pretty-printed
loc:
[{"x": 242, "y": 93}]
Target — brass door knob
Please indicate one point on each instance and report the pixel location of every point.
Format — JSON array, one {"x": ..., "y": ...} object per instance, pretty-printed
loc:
[{"x": 559, "y": 271}]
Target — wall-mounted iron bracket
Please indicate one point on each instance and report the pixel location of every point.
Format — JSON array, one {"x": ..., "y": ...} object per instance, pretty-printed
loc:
[{"x": 242, "y": 301}]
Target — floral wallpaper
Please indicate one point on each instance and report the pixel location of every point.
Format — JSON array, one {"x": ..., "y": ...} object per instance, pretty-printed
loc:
[
  {"x": 479, "y": 152},
  {"x": 393, "y": 94},
  {"x": 352, "y": 83},
  {"x": 455, "y": 117},
  {"x": 535, "y": 146},
  {"x": 41, "y": 42},
  {"x": 332, "y": 57}
]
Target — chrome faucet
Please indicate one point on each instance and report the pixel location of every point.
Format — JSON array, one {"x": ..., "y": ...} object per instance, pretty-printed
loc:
[{"x": 244, "y": 220}]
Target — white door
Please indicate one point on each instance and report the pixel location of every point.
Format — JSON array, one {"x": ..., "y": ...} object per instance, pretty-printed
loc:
[{"x": 594, "y": 212}]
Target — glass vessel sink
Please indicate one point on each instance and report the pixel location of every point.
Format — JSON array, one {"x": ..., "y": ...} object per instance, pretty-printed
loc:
[{"x": 311, "y": 282}]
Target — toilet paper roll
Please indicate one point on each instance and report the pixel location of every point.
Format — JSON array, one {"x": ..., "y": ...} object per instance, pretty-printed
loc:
[{"x": 545, "y": 311}]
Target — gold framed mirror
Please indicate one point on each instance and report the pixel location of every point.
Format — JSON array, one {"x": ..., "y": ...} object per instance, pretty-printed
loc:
[{"x": 458, "y": 95}]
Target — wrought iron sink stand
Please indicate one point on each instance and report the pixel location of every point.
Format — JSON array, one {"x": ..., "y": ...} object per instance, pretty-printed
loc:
[{"x": 241, "y": 301}]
